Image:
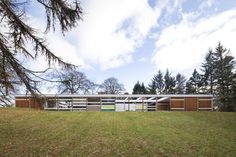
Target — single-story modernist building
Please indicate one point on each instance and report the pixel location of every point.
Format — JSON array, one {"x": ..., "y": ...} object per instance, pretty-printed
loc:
[{"x": 117, "y": 102}]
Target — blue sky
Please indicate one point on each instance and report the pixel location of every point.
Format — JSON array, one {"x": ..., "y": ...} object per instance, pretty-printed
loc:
[{"x": 132, "y": 39}]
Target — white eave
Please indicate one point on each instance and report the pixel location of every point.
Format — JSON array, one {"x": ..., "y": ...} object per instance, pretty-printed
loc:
[{"x": 118, "y": 95}]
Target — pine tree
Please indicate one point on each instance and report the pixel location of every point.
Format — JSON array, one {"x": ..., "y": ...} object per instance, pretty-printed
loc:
[
  {"x": 152, "y": 88},
  {"x": 189, "y": 89},
  {"x": 208, "y": 67},
  {"x": 233, "y": 93},
  {"x": 172, "y": 85},
  {"x": 137, "y": 88},
  {"x": 169, "y": 83},
  {"x": 195, "y": 81},
  {"x": 143, "y": 89},
  {"x": 180, "y": 84},
  {"x": 224, "y": 65},
  {"x": 157, "y": 84},
  {"x": 160, "y": 82}
]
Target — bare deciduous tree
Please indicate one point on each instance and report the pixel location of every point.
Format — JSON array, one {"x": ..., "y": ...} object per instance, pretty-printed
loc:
[
  {"x": 72, "y": 81},
  {"x": 112, "y": 86}
]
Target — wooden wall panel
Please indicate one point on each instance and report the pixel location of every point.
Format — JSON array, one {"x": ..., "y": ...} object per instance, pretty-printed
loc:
[
  {"x": 35, "y": 104},
  {"x": 22, "y": 103},
  {"x": 163, "y": 106},
  {"x": 191, "y": 104},
  {"x": 177, "y": 103},
  {"x": 204, "y": 103},
  {"x": 29, "y": 103}
]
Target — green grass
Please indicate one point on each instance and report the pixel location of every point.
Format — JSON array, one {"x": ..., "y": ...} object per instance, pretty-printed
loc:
[{"x": 40, "y": 133}]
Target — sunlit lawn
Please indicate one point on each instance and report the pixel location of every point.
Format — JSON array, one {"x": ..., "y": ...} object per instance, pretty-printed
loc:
[{"x": 40, "y": 133}]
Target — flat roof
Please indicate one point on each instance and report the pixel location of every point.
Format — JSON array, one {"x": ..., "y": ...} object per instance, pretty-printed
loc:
[{"x": 117, "y": 95}]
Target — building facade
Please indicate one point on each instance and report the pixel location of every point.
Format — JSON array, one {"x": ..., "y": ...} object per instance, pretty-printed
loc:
[{"x": 119, "y": 103}]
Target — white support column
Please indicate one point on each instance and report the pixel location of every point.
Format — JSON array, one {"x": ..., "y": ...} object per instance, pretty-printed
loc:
[
  {"x": 57, "y": 104},
  {"x": 156, "y": 105},
  {"x": 128, "y": 104},
  {"x": 72, "y": 103},
  {"x": 142, "y": 103},
  {"x": 46, "y": 103},
  {"x": 100, "y": 104}
]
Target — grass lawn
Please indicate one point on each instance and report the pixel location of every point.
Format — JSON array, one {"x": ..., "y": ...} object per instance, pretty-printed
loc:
[{"x": 40, "y": 133}]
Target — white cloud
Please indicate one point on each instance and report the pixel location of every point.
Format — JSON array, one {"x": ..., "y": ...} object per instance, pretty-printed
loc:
[
  {"x": 110, "y": 33},
  {"x": 112, "y": 30},
  {"x": 182, "y": 47},
  {"x": 57, "y": 43},
  {"x": 64, "y": 49},
  {"x": 108, "y": 36}
]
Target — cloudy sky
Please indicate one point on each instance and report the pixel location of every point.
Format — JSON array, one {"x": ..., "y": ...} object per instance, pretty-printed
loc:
[{"x": 132, "y": 39}]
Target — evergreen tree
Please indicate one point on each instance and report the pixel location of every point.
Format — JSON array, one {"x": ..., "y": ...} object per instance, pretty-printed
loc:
[
  {"x": 157, "y": 84},
  {"x": 224, "y": 65},
  {"x": 172, "y": 85},
  {"x": 233, "y": 94},
  {"x": 152, "y": 88},
  {"x": 208, "y": 67},
  {"x": 180, "y": 84},
  {"x": 169, "y": 83},
  {"x": 189, "y": 89},
  {"x": 137, "y": 88},
  {"x": 143, "y": 89},
  {"x": 194, "y": 83}
]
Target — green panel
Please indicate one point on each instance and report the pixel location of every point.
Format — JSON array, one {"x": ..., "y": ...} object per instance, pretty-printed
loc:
[
  {"x": 140, "y": 107},
  {"x": 108, "y": 103},
  {"x": 108, "y": 107},
  {"x": 108, "y": 110}
]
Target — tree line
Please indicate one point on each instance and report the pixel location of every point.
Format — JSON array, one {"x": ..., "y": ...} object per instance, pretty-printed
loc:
[{"x": 217, "y": 76}]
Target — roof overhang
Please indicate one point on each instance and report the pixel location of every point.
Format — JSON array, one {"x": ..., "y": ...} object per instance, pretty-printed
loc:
[{"x": 118, "y": 95}]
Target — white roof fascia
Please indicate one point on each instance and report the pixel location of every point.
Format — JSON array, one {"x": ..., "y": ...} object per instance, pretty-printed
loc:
[{"x": 118, "y": 95}]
